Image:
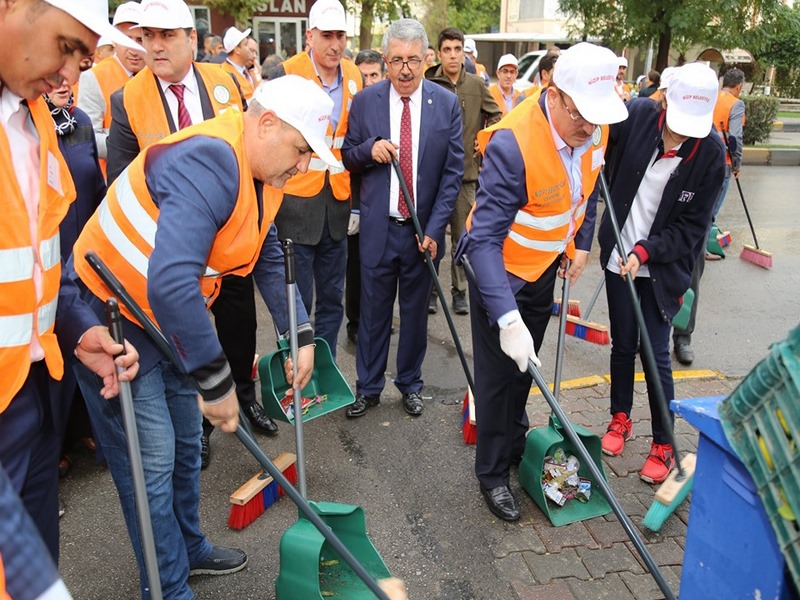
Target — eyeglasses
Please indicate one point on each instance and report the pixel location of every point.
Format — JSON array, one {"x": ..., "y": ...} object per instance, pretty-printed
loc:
[
  {"x": 576, "y": 117},
  {"x": 412, "y": 63},
  {"x": 508, "y": 71}
]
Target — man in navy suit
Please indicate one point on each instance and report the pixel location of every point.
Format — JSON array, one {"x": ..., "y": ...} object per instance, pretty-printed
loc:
[{"x": 390, "y": 251}]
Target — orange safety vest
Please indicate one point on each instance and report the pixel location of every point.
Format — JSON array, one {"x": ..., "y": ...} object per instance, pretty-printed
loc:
[
  {"x": 3, "y": 594},
  {"x": 20, "y": 312},
  {"x": 497, "y": 94},
  {"x": 247, "y": 86},
  {"x": 656, "y": 96},
  {"x": 110, "y": 76},
  {"x": 722, "y": 113},
  {"x": 123, "y": 228},
  {"x": 540, "y": 229},
  {"x": 142, "y": 101},
  {"x": 308, "y": 185}
]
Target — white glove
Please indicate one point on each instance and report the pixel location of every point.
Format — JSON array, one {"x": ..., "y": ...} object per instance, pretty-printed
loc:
[
  {"x": 517, "y": 343},
  {"x": 352, "y": 226}
]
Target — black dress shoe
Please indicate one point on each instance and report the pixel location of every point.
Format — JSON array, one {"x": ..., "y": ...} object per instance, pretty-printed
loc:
[
  {"x": 413, "y": 404},
  {"x": 501, "y": 502},
  {"x": 432, "y": 306},
  {"x": 256, "y": 415},
  {"x": 360, "y": 406},
  {"x": 221, "y": 561},
  {"x": 205, "y": 451},
  {"x": 684, "y": 354},
  {"x": 460, "y": 306}
]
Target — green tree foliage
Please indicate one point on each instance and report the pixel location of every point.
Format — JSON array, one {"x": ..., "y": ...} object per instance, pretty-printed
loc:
[
  {"x": 474, "y": 16},
  {"x": 682, "y": 23},
  {"x": 777, "y": 42},
  {"x": 761, "y": 112}
]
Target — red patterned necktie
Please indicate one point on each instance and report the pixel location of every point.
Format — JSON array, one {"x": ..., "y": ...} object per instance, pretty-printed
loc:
[
  {"x": 184, "y": 120},
  {"x": 406, "y": 159}
]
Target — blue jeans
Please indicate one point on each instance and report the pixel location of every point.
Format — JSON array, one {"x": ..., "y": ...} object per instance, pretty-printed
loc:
[
  {"x": 625, "y": 345},
  {"x": 320, "y": 277},
  {"x": 169, "y": 424}
]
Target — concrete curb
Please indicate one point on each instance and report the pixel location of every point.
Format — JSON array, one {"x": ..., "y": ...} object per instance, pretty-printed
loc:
[
  {"x": 594, "y": 380},
  {"x": 775, "y": 157},
  {"x": 788, "y": 127}
]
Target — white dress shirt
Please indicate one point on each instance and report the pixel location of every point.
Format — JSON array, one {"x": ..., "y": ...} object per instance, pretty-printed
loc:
[
  {"x": 191, "y": 98},
  {"x": 395, "y": 114}
]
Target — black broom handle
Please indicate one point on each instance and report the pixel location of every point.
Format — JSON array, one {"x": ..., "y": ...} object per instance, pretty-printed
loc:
[
  {"x": 418, "y": 228},
  {"x": 578, "y": 444},
  {"x": 738, "y": 185},
  {"x": 245, "y": 438},
  {"x": 647, "y": 346}
]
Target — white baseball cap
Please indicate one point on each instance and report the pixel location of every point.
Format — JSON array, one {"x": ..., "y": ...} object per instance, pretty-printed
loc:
[
  {"x": 666, "y": 76},
  {"x": 104, "y": 41},
  {"x": 507, "y": 59},
  {"x": 469, "y": 46},
  {"x": 622, "y": 62},
  {"x": 302, "y": 104},
  {"x": 128, "y": 12},
  {"x": 691, "y": 96},
  {"x": 588, "y": 73},
  {"x": 327, "y": 15},
  {"x": 94, "y": 16},
  {"x": 166, "y": 14},
  {"x": 233, "y": 37}
]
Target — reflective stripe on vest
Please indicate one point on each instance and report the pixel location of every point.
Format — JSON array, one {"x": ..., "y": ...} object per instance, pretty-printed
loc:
[
  {"x": 540, "y": 231},
  {"x": 16, "y": 330},
  {"x": 309, "y": 184},
  {"x": 16, "y": 264}
]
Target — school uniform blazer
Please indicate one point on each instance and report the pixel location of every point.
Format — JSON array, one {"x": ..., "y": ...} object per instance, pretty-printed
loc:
[{"x": 440, "y": 163}]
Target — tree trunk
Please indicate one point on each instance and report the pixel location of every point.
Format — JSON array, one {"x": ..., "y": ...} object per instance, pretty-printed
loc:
[
  {"x": 664, "y": 43},
  {"x": 367, "y": 19}
]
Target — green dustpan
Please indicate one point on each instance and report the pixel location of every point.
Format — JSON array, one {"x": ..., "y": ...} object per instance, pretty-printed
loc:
[
  {"x": 327, "y": 382},
  {"x": 312, "y": 570},
  {"x": 713, "y": 245},
  {"x": 543, "y": 441}
]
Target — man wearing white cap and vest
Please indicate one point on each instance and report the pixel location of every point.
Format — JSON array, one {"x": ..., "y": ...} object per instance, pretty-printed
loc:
[
  {"x": 665, "y": 174},
  {"x": 316, "y": 210},
  {"x": 503, "y": 91},
  {"x": 106, "y": 77},
  {"x": 169, "y": 228},
  {"x": 169, "y": 94},
  {"x": 241, "y": 55},
  {"x": 533, "y": 219},
  {"x": 44, "y": 46},
  {"x": 621, "y": 87},
  {"x": 471, "y": 50}
]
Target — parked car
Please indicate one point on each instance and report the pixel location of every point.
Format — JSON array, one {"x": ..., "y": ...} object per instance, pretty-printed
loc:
[{"x": 528, "y": 69}]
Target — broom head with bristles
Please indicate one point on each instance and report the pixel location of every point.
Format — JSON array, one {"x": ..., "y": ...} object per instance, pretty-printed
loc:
[
  {"x": 259, "y": 493},
  {"x": 757, "y": 256},
  {"x": 594, "y": 333},
  {"x": 468, "y": 429},
  {"x": 671, "y": 494},
  {"x": 573, "y": 308}
]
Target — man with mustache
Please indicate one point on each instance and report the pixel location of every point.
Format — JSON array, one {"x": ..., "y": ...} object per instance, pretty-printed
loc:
[
  {"x": 44, "y": 46},
  {"x": 170, "y": 228},
  {"x": 316, "y": 210},
  {"x": 417, "y": 122},
  {"x": 170, "y": 93},
  {"x": 106, "y": 77},
  {"x": 533, "y": 219}
]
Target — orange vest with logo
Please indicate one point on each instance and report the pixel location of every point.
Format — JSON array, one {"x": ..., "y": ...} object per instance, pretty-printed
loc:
[
  {"x": 110, "y": 77},
  {"x": 309, "y": 184},
  {"x": 143, "y": 104},
  {"x": 247, "y": 86},
  {"x": 497, "y": 94},
  {"x": 722, "y": 113},
  {"x": 122, "y": 230},
  {"x": 541, "y": 228},
  {"x": 20, "y": 311}
]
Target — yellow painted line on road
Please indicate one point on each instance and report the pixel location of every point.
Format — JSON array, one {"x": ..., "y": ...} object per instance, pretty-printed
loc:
[{"x": 593, "y": 380}]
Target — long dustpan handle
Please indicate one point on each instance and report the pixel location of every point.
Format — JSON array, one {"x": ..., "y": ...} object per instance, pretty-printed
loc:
[
  {"x": 624, "y": 519},
  {"x": 420, "y": 234},
  {"x": 562, "y": 335},
  {"x": 135, "y": 454},
  {"x": 297, "y": 393},
  {"x": 644, "y": 335},
  {"x": 158, "y": 338}
]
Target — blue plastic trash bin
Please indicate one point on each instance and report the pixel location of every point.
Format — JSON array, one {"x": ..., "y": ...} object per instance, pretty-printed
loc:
[{"x": 731, "y": 551}]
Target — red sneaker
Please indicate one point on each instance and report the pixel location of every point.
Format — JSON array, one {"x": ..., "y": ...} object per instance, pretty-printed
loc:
[
  {"x": 658, "y": 465},
  {"x": 619, "y": 431}
]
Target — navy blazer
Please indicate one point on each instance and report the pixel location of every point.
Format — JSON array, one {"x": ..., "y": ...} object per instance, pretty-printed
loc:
[{"x": 440, "y": 163}]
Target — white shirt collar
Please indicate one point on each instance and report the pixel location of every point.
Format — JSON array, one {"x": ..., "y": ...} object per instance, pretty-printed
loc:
[
  {"x": 10, "y": 103},
  {"x": 190, "y": 81}
]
